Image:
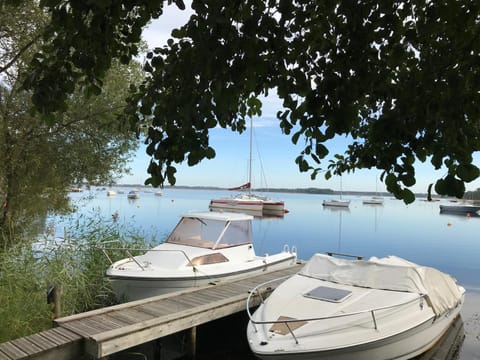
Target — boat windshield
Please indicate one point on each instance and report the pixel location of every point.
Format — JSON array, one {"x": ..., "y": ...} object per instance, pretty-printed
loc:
[{"x": 211, "y": 233}]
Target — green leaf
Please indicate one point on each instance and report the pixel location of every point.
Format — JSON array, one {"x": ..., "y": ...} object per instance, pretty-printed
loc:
[
  {"x": 407, "y": 196},
  {"x": 295, "y": 137},
  {"x": 440, "y": 187},
  {"x": 468, "y": 172}
]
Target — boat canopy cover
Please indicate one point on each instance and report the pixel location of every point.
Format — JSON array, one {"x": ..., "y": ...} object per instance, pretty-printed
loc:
[
  {"x": 212, "y": 231},
  {"x": 389, "y": 273}
]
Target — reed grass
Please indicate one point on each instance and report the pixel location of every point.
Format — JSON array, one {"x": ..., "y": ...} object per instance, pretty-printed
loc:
[{"x": 74, "y": 263}]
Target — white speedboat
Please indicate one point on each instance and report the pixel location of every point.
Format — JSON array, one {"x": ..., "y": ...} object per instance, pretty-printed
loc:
[
  {"x": 335, "y": 309},
  {"x": 204, "y": 248}
]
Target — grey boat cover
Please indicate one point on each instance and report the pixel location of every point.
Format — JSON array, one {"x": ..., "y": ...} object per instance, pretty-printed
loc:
[{"x": 389, "y": 273}]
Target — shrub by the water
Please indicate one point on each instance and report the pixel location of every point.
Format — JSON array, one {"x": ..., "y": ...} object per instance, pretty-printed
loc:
[{"x": 73, "y": 263}]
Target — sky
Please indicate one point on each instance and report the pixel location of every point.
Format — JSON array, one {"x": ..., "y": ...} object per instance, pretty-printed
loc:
[{"x": 273, "y": 160}]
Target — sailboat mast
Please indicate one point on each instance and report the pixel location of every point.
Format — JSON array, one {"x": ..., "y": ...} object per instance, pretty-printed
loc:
[{"x": 250, "y": 159}]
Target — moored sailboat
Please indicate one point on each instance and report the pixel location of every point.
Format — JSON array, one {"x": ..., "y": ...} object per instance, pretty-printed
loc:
[{"x": 247, "y": 201}]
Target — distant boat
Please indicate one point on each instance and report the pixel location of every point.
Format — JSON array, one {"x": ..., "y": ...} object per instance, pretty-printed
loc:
[
  {"x": 204, "y": 248},
  {"x": 158, "y": 193},
  {"x": 337, "y": 202},
  {"x": 460, "y": 209},
  {"x": 111, "y": 193},
  {"x": 133, "y": 195},
  {"x": 249, "y": 202},
  {"x": 373, "y": 201}
]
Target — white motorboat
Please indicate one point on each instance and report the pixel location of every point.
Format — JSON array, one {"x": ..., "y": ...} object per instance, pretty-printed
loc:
[
  {"x": 204, "y": 248},
  {"x": 460, "y": 209},
  {"x": 373, "y": 201},
  {"x": 133, "y": 195},
  {"x": 337, "y": 203},
  {"x": 334, "y": 309}
]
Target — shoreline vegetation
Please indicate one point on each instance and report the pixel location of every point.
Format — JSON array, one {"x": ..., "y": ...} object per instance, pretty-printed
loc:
[
  {"x": 469, "y": 195},
  {"x": 36, "y": 267}
]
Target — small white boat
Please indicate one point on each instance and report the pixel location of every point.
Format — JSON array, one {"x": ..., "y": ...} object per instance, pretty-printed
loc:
[
  {"x": 373, "y": 201},
  {"x": 336, "y": 203},
  {"x": 133, "y": 195},
  {"x": 111, "y": 193},
  {"x": 249, "y": 203},
  {"x": 335, "y": 309},
  {"x": 204, "y": 248},
  {"x": 460, "y": 209}
]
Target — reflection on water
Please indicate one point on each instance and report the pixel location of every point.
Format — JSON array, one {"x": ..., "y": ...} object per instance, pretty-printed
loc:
[
  {"x": 449, "y": 345},
  {"x": 416, "y": 232}
]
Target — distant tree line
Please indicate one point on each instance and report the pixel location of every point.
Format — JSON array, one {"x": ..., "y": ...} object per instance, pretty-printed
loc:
[{"x": 472, "y": 195}]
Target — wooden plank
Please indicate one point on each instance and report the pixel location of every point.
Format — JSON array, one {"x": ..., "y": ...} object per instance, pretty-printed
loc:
[
  {"x": 26, "y": 346},
  {"x": 136, "y": 313},
  {"x": 12, "y": 351},
  {"x": 64, "y": 334},
  {"x": 111, "y": 342},
  {"x": 42, "y": 342},
  {"x": 4, "y": 356},
  {"x": 81, "y": 327},
  {"x": 96, "y": 323},
  {"x": 190, "y": 301},
  {"x": 109, "y": 322},
  {"x": 121, "y": 316},
  {"x": 126, "y": 305},
  {"x": 172, "y": 305},
  {"x": 157, "y": 309},
  {"x": 154, "y": 311}
]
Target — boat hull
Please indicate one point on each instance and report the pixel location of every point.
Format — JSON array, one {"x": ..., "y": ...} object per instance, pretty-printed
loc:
[
  {"x": 336, "y": 203},
  {"x": 404, "y": 345},
  {"x": 460, "y": 209},
  {"x": 237, "y": 205},
  {"x": 339, "y": 309},
  {"x": 136, "y": 288}
]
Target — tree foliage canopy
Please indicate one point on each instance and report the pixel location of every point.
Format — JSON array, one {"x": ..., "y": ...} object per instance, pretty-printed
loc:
[
  {"x": 40, "y": 160},
  {"x": 400, "y": 77}
]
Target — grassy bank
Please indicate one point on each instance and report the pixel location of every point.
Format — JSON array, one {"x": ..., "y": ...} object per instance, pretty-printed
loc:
[{"x": 73, "y": 263}]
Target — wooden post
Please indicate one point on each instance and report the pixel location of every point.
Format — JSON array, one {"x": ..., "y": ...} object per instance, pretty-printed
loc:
[
  {"x": 192, "y": 343},
  {"x": 54, "y": 297}
]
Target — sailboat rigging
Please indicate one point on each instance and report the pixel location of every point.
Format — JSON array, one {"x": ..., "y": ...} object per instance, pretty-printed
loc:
[
  {"x": 249, "y": 202},
  {"x": 337, "y": 202}
]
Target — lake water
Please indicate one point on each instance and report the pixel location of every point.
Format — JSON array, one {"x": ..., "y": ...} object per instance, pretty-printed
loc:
[{"x": 417, "y": 232}]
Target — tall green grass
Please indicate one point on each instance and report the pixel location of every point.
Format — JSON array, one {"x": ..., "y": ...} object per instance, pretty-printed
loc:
[{"x": 73, "y": 263}]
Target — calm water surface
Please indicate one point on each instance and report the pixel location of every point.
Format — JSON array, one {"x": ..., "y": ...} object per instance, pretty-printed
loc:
[{"x": 417, "y": 232}]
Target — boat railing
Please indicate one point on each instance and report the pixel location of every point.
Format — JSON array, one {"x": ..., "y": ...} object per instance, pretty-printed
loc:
[
  {"x": 331, "y": 253},
  {"x": 131, "y": 257},
  {"x": 287, "y": 322}
]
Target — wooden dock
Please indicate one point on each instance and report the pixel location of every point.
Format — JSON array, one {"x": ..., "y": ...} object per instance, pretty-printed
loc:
[{"x": 106, "y": 331}]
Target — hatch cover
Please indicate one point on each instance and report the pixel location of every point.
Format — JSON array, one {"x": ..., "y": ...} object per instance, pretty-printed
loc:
[{"x": 328, "y": 294}]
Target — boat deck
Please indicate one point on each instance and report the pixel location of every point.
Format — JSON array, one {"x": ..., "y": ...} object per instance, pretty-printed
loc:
[{"x": 106, "y": 331}]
